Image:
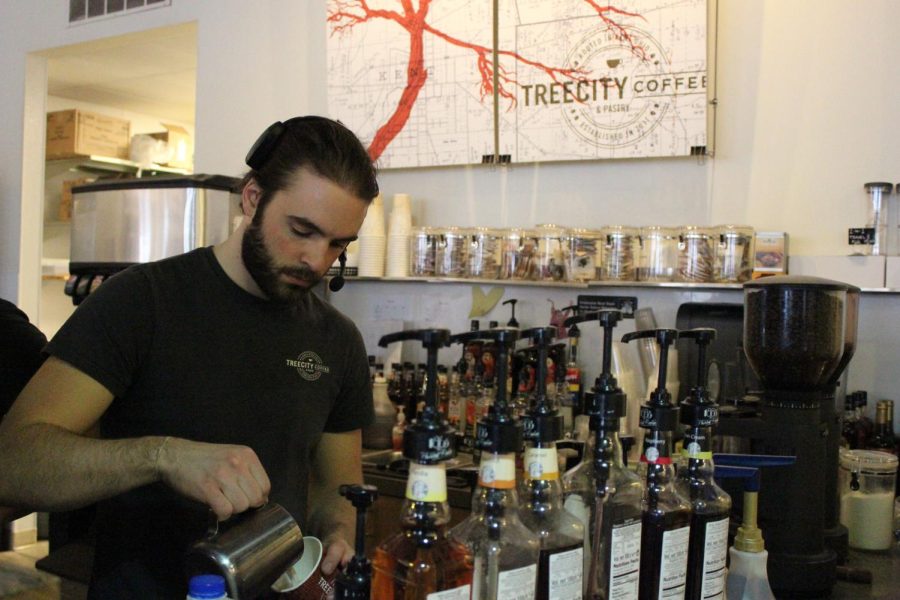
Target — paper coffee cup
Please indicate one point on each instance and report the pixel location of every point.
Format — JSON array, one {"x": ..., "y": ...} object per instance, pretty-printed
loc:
[{"x": 304, "y": 579}]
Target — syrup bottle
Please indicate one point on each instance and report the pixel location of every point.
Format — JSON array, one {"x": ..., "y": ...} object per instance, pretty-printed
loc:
[
  {"x": 601, "y": 491},
  {"x": 561, "y": 535},
  {"x": 420, "y": 559},
  {"x": 666, "y": 517},
  {"x": 710, "y": 504},
  {"x": 505, "y": 551}
]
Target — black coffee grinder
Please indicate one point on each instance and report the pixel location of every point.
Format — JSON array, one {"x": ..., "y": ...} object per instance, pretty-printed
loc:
[{"x": 799, "y": 336}]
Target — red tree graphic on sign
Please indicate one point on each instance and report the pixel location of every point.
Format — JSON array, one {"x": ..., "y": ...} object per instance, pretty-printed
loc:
[{"x": 344, "y": 15}]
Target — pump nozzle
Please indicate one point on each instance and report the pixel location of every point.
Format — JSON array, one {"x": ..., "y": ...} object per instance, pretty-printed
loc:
[
  {"x": 543, "y": 424},
  {"x": 512, "y": 320},
  {"x": 355, "y": 582},
  {"x": 665, "y": 338}
]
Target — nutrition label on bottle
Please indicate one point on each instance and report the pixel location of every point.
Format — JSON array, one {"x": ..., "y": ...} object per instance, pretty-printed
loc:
[
  {"x": 460, "y": 593},
  {"x": 673, "y": 567},
  {"x": 715, "y": 552},
  {"x": 625, "y": 561},
  {"x": 517, "y": 584},
  {"x": 565, "y": 575}
]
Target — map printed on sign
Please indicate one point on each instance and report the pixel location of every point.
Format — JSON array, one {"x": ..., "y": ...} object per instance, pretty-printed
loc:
[{"x": 577, "y": 79}]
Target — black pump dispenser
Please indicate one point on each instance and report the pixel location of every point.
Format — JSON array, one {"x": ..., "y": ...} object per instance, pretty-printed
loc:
[
  {"x": 665, "y": 532},
  {"x": 542, "y": 422},
  {"x": 355, "y": 582},
  {"x": 512, "y": 320},
  {"x": 498, "y": 432},
  {"x": 429, "y": 439}
]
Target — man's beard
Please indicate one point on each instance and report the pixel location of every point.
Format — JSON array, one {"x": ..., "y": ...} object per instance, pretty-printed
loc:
[{"x": 266, "y": 273}]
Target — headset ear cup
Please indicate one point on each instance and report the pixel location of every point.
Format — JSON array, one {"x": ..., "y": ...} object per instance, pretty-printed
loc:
[
  {"x": 264, "y": 145},
  {"x": 337, "y": 282}
]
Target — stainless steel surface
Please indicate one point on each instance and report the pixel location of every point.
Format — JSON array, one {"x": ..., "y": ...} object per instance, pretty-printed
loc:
[
  {"x": 146, "y": 224},
  {"x": 250, "y": 550}
]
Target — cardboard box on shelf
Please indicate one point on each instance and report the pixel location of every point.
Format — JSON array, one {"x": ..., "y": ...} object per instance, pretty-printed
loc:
[
  {"x": 72, "y": 133},
  {"x": 65, "y": 198},
  {"x": 179, "y": 142},
  {"x": 770, "y": 253}
]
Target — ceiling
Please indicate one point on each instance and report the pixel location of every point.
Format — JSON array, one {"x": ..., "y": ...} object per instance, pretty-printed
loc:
[{"x": 152, "y": 72}]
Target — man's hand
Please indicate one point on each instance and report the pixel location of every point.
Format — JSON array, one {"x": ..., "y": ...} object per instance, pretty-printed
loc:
[
  {"x": 336, "y": 552},
  {"x": 229, "y": 479}
]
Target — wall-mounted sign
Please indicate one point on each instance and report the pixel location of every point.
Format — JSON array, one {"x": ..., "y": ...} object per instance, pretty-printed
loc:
[{"x": 578, "y": 79}]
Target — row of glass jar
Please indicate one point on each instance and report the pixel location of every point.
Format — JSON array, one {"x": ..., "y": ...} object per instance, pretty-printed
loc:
[{"x": 691, "y": 254}]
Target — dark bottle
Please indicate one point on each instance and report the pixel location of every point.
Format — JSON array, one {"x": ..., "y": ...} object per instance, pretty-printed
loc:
[
  {"x": 710, "y": 504},
  {"x": 408, "y": 391},
  {"x": 505, "y": 552},
  {"x": 420, "y": 560},
  {"x": 883, "y": 437},
  {"x": 561, "y": 561},
  {"x": 601, "y": 492},
  {"x": 395, "y": 383},
  {"x": 850, "y": 423},
  {"x": 665, "y": 532}
]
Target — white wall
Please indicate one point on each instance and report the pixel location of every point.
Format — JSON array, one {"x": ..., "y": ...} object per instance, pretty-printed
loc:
[{"x": 806, "y": 92}]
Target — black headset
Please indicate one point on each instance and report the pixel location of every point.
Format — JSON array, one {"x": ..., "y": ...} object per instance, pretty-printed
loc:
[{"x": 259, "y": 155}]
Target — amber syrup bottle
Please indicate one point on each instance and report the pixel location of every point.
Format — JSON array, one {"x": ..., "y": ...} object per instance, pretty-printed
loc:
[
  {"x": 605, "y": 495},
  {"x": 505, "y": 552},
  {"x": 421, "y": 560},
  {"x": 710, "y": 504},
  {"x": 666, "y": 517},
  {"x": 561, "y": 561}
]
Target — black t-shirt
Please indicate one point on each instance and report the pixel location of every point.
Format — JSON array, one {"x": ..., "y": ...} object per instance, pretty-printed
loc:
[
  {"x": 188, "y": 353},
  {"x": 20, "y": 352}
]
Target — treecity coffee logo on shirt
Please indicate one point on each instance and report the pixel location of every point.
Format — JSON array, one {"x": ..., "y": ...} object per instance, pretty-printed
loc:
[{"x": 309, "y": 365}]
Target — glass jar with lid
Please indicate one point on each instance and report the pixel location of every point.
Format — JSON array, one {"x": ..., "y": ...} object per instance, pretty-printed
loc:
[
  {"x": 734, "y": 254},
  {"x": 485, "y": 253},
  {"x": 866, "y": 483},
  {"x": 620, "y": 253},
  {"x": 451, "y": 257},
  {"x": 696, "y": 256},
  {"x": 552, "y": 240},
  {"x": 422, "y": 245},
  {"x": 519, "y": 254},
  {"x": 659, "y": 253},
  {"x": 584, "y": 255}
]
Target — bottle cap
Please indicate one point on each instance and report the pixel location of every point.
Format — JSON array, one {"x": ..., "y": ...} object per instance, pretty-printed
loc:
[{"x": 206, "y": 586}]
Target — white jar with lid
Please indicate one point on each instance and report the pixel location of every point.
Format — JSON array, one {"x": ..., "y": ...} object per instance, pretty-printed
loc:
[
  {"x": 519, "y": 255},
  {"x": 866, "y": 482},
  {"x": 422, "y": 245}
]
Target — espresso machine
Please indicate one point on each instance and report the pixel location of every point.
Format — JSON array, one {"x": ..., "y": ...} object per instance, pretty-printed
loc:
[{"x": 799, "y": 336}]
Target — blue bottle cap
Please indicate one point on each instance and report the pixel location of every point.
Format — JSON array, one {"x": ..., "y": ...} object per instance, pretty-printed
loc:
[{"x": 206, "y": 586}]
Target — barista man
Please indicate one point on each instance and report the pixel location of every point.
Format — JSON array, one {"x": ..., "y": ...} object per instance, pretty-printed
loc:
[{"x": 217, "y": 379}]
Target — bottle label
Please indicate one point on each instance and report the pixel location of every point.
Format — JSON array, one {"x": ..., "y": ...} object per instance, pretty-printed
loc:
[
  {"x": 427, "y": 483},
  {"x": 542, "y": 464},
  {"x": 517, "y": 584},
  {"x": 460, "y": 593},
  {"x": 625, "y": 561},
  {"x": 656, "y": 449},
  {"x": 696, "y": 446},
  {"x": 497, "y": 471},
  {"x": 715, "y": 551},
  {"x": 565, "y": 575},
  {"x": 673, "y": 566}
]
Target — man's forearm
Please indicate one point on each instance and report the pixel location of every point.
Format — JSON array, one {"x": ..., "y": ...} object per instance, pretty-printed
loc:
[
  {"x": 48, "y": 468},
  {"x": 330, "y": 514}
]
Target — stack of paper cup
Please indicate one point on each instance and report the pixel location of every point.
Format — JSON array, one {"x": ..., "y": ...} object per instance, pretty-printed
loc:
[
  {"x": 399, "y": 229},
  {"x": 371, "y": 241}
]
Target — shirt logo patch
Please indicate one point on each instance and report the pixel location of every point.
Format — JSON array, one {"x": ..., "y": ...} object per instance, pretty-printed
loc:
[{"x": 309, "y": 365}]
